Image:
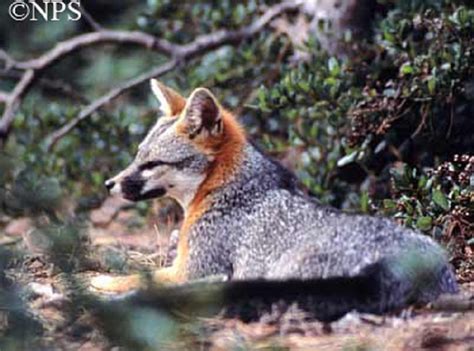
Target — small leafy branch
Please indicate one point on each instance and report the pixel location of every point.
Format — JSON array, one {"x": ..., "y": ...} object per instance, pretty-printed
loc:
[{"x": 439, "y": 202}]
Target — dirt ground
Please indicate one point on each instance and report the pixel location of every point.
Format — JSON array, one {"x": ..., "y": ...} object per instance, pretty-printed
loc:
[{"x": 121, "y": 244}]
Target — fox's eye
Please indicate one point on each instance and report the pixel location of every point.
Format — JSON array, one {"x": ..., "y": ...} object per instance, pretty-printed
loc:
[
  {"x": 151, "y": 165},
  {"x": 179, "y": 164}
]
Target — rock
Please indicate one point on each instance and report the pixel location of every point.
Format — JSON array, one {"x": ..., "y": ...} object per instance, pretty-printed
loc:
[
  {"x": 18, "y": 227},
  {"x": 109, "y": 209}
]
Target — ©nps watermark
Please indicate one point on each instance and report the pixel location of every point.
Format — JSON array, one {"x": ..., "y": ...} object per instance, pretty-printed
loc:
[{"x": 48, "y": 10}]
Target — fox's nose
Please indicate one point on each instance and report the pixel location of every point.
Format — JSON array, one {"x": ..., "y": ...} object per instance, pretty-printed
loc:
[{"x": 109, "y": 184}]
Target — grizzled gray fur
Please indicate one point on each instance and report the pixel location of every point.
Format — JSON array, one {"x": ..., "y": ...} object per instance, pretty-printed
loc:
[
  {"x": 273, "y": 230},
  {"x": 262, "y": 232}
]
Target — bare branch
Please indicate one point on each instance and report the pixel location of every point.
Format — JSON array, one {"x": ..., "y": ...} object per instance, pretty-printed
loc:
[
  {"x": 63, "y": 49},
  {"x": 67, "y": 47},
  {"x": 4, "y": 97},
  {"x": 54, "y": 137},
  {"x": 13, "y": 102},
  {"x": 90, "y": 20},
  {"x": 178, "y": 54},
  {"x": 6, "y": 58},
  {"x": 199, "y": 45},
  {"x": 55, "y": 85}
]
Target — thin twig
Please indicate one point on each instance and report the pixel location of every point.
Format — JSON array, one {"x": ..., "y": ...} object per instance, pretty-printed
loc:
[
  {"x": 55, "y": 85},
  {"x": 69, "y": 46},
  {"x": 13, "y": 102},
  {"x": 6, "y": 58},
  {"x": 424, "y": 117},
  {"x": 4, "y": 97},
  {"x": 54, "y": 137},
  {"x": 90, "y": 20}
]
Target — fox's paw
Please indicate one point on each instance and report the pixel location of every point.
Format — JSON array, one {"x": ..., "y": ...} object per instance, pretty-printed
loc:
[{"x": 111, "y": 284}]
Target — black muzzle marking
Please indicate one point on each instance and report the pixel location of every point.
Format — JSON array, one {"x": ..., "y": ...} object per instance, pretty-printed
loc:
[
  {"x": 152, "y": 194},
  {"x": 132, "y": 188}
]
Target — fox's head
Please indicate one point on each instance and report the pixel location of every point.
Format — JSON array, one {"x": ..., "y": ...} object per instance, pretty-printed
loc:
[{"x": 193, "y": 147}]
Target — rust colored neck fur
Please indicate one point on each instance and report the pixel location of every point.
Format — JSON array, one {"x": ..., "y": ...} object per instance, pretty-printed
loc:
[{"x": 227, "y": 150}]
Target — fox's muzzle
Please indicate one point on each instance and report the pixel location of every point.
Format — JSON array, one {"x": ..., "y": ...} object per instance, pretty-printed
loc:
[
  {"x": 131, "y": 188},
  {"x": 109, "y": 184}
]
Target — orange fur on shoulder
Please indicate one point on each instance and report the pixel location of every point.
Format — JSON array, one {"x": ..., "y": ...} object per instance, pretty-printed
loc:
[{"x": 226, "y": 149}]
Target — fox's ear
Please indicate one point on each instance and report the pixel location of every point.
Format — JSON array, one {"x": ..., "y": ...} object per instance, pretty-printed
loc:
[
  {"x": 171, "y": 103},
  {"x": 202, "y": 114}
]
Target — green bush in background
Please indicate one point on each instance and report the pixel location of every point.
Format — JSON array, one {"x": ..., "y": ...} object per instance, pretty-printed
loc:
[
  {"x": 403, "y": 96},
  {"x": 407, "y": 99},
  {"x": 387, "y": 129}
]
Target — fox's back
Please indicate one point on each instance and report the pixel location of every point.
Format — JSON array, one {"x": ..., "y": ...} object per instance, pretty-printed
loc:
[{"x": 270, "y": 229}]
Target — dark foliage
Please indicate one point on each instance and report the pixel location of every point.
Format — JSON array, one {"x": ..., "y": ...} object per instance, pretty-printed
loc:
[{"x": 387, "y": 130}]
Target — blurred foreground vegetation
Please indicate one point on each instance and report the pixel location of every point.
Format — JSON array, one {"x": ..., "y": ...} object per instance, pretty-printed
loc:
[{"x": 385, "y": 127}]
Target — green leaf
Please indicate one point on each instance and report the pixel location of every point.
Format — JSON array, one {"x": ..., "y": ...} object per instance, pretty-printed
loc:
[
  {"x": 422, "y": 182},
  {"x": 330, "y": 81},
  {"x": 389, "y": 37},
  {"x": 389, "y": 204},
  {"x": 364, "y": 202},
  {"x": 347, "y": 159},
  {"x": 408, "y": 207},
  {"x": 406, "y": 69},
  {"x": 424, "y": 223},
  {"x": 304, "y": 85},
  {"x": 440, "y": 199},
  {"x": 432, "y": 85},
  {"x": 334, "y": 67}
]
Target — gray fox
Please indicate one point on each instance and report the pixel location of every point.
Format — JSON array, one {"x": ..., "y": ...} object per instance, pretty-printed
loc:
[{"x": 247, "y": 218}]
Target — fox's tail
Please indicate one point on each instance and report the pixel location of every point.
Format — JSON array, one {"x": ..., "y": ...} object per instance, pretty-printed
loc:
[{"x": 381, "y": 287}]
